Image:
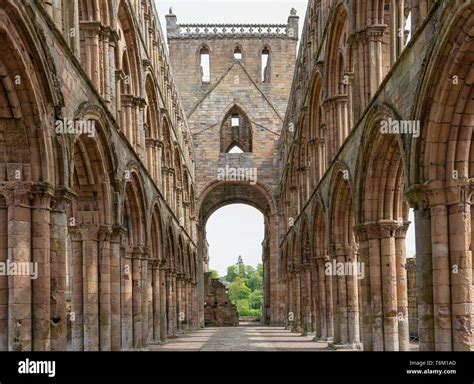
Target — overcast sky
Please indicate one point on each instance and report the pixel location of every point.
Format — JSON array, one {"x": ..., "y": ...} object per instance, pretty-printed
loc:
[
  {"x": 238, "y": 229},
  {"x": 225, "y": 11}
]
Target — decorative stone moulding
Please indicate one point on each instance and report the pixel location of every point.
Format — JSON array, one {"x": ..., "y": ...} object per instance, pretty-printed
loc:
[{"x": 234, "y": 30}]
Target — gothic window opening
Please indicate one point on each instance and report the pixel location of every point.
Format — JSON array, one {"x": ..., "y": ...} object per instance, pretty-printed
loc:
[
  {"x": 265, "y": 65},
  {"x": 237, "y": 53},
  {"x": 205, "y": 65},
  {"x": 236, "y": 132},
  {"x": 408, "y": 33}
]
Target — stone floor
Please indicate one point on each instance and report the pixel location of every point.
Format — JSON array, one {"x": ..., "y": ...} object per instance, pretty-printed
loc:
[{"x": 247, "y": 337}]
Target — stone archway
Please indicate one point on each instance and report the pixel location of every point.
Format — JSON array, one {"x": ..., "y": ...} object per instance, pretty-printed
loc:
[
  {"x": 343, "y": 252},
  {"x": 90, "y": 223},
  {"x": 220, "y": 194},
  {"x": 442, "y": 170},
  {"x": 32, "y": 217},
  {"x": 383, "y": 218}
]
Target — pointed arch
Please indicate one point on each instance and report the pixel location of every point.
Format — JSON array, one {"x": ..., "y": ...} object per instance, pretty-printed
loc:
[
  {"x": 152, "y": 129},
  {"x": 236, "y": 130},
  {"x": 343, "y": 249},
  {"x": 134, "y": 211},
  {"x": 128, "y": 47},
  {"x": 338, "y": 52}
]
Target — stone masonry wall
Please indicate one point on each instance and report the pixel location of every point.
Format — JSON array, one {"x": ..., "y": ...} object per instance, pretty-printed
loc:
[{"x": 218, "y": 311}]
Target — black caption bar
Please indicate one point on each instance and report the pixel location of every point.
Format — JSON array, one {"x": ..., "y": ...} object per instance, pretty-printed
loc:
[{"x": 416, "y": 367}]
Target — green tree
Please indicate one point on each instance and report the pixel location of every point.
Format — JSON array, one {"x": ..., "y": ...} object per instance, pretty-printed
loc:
[
  {"x": 234, "y": 271},
  {"x": 245, "y": 285},
  {"x": 256, "y": 299},
  {"x": 254, "y": 281},
  {"x": 214, "y": 273},
  {"x": 238, "y": 290}
]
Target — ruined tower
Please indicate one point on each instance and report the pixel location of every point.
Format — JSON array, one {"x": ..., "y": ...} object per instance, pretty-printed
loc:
[{"x": 234, "y": 81}]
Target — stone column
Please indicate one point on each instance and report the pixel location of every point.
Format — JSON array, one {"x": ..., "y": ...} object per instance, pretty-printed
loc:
[
  {"x": 362, "y": 233},
  {"x": 137, "y": 297},
  {"x": 442, "y": 310},
  {"x": 90, "y": 288},
  {"x": 342, "y": 123},
  {"x": 156, "y": 298},
  {"x": 41, "y": 286},
  {"x": 139, "y": 116},
  {"x": 298, "y": 304},
  {"x": 150, "y": 157},
  {"x": 287, "y": 282},
  {"x": 179, "y": 302},
  {"x": 114, "y": 92},
  {"x": 163, "y": 297},
  {"x": 424, "y": 278},
  {"x": 375, "y": 39},
  {"x": 444, "y": 267},
  {"x": 460, "y": 267},
  {"x": 200, "y": 275},
  {"x": 353, "y": 324},
  {"x": 105, "y": 36},
  {"x": 349, "y": 75},
  {"x": 303, "y": 302},
  {"x": 340, "y": 297},
  {"x": 330, "y": 283},
  {"x": 58, "y": 248},
  {"x": 310, "y": 320},
  {"x": 116, "y": 273},
  {"x": 273, "y": 286},
  {"x": 159, "y": 164},
  {"x": 127, "y": 297},
  {"x": 384, "y": 293},
  {"x": 189, "y": 320},
  {"x": 169, "y": 303},
  {"x": 77, "y": 295},
  {"x": 195, "y": 304},
  {"x": 402, "y": 288},
  {"x": 151, "y": 303},
  {"x": 91, "y": 31},
  {"x": 119, "y": 77},
  {"x": 19, "y": 286},
  {"x": 145, "y": 297},
  {"x": 314, "y": 288},
  {"x": 126, "y": 122},
  {"x": 105, "y": 303},
  {"x": 375, "y": 294},
  {"x": 174, "y": 304},
  {"x": 292, "y": 300},
  {"x": 389, "y": 285},
  {"x": 4, "y": 279},
  {"x": 322, "y": 310}
]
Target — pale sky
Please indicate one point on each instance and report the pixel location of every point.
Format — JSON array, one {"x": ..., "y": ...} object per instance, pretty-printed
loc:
[
  {"x": 238, "y": 229},
  {"x": 227, "y": 11},
  {"x": 235, "y": 230}
]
